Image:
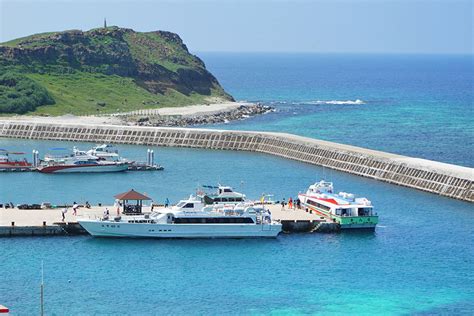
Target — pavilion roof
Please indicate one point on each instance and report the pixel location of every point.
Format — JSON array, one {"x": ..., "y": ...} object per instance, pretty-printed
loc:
[{"x": 132, "y": 195}]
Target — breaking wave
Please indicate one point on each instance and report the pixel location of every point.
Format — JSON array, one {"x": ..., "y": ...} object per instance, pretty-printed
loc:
[{"x": 336, "y": 102}]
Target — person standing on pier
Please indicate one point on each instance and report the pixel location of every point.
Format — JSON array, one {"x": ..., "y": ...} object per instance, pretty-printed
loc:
[
  {"x": 283, "y": 204},
  {"x": 290, "y": 203},
  {"x": 75, "y": 206},
  {"x": 167, "y": 202},
  {"x": 63, "y": 213}
]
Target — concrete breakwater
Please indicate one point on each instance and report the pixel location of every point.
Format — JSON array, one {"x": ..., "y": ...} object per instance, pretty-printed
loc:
[{"x": 431, "y": 176}]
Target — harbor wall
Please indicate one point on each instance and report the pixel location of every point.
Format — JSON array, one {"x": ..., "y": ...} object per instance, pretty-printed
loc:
[
  {"x": 439, "y": 178},
  {"x": 17, "y": 231}
]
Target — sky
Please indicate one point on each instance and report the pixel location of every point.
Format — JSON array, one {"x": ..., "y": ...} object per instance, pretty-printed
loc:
[{"x": 341, "y": 26}]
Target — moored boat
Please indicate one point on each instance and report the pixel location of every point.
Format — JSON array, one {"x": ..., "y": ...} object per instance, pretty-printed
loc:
[
  {"x": 343, "y": 208},
  {"x": 106, "y": 152},
  {"x": 221, "y": 195},
  {"x": 7, "y": 163},
  {"x": 79, "y": 162},
  {"x": 190, "y": 218}
]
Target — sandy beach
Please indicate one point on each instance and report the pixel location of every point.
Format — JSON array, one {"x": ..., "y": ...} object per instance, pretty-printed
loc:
[{"x": 115, "y": 119}]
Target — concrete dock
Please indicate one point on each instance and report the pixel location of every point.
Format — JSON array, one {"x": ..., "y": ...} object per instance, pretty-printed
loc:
[
  {"x": 430, "y": 176},
  {"x": 48, "y": 222}
]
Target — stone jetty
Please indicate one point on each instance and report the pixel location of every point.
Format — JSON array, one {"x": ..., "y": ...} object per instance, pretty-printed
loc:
[
  {"x": 430, "y": 176},
  {"x": 153, "y": 117}
]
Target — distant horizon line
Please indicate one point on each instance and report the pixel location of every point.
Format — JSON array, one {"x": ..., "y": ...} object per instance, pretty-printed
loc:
[
  {"x": 198, "y": 51},
  {"x": 330, "y": 53},
  {"x": 458, "y": 53}
]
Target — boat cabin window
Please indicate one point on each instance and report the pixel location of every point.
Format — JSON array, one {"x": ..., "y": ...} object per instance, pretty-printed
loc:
[
  {"x": 318, "y": 205},
  {"x": 230, "y": 199},
  {"x": 189, "y": 205},
  {"x": 227, "y": 190},
  {"x": 346, "y": 212},
  {"x": 364, "y": 211},
  {"x": 213, "y": 220}
]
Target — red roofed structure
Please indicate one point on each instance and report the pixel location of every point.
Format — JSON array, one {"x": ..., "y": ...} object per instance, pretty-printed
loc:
[{"x": 132, "y": 195}]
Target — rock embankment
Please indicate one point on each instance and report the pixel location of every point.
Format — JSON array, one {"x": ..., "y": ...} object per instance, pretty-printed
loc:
[{"x": 239, "y": 113}]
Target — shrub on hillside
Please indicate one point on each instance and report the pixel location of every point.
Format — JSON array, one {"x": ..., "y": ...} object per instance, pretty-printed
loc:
[{"x": 19, "y": 94}]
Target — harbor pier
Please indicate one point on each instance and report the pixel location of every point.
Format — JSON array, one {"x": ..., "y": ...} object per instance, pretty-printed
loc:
[
  {"x": 16, "y": 222},
  {"x": 435, "y": 177}
]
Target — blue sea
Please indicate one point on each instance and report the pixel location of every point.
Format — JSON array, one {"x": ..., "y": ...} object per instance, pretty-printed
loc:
[
  {"x": 420, "y": 259},
  {"x": 415, "y": 105}
]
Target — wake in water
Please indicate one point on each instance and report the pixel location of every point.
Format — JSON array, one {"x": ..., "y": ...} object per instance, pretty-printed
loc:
[{"x": 336, "y": 102}]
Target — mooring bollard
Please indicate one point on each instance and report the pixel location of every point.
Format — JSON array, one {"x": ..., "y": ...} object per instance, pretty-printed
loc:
[
  {"x": 44, "y": 223},
  {"x": 13, "y": 224}
]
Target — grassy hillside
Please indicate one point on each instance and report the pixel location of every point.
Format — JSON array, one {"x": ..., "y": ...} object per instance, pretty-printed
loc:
[{"x": 102, "y": 71}]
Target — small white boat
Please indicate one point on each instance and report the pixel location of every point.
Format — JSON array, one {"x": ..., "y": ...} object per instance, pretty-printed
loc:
[
  {"x": 106, "y": 152},
  {"x": 222, "y": 195},
  {"x": 190, "y": 218}
]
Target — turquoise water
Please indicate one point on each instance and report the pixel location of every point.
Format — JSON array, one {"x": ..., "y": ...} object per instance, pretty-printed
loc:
[
  {"x": 419, "y": 260},
  {"x": 415, "y": 105}
]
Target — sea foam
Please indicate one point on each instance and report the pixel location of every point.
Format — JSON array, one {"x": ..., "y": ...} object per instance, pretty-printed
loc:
[{"x": 336, "y": 102}]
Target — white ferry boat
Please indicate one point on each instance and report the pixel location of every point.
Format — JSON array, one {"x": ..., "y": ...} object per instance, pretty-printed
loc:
[
  {"x": 79, "y": 161},
  {"x": 344, "y": 208},
  {"x": 190, "y": 218}
]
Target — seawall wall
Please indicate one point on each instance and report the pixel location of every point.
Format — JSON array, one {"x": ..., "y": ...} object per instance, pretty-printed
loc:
[{"x": 431, "y": 176}]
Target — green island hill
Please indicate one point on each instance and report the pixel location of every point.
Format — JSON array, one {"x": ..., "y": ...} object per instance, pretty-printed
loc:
[{"x": 103, "y": 70}]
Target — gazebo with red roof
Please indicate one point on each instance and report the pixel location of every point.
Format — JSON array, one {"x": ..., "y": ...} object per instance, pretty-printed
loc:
[{"x": 132, "y": 195}]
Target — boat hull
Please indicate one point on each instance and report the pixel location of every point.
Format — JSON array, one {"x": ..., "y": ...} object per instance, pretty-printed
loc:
[
  {"x": 84, "y": 168},
  {"x": 144, "y": 230}
]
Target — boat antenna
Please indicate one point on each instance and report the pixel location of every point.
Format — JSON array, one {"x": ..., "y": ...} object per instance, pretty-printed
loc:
[{"x": 42, "y": 290}]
